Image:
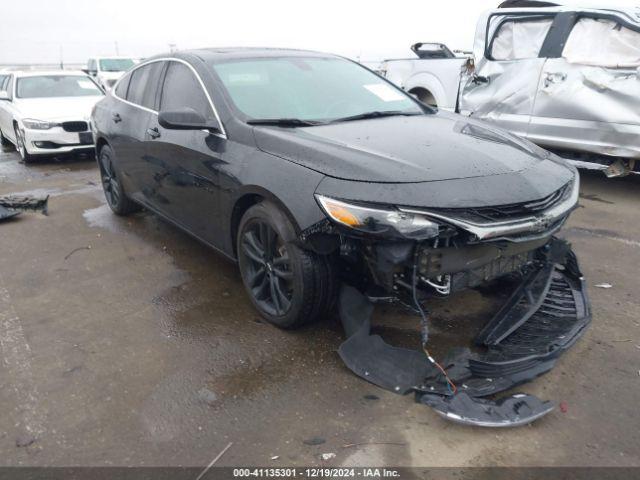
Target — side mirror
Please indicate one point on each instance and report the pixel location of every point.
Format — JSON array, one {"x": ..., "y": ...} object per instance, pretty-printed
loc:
[
  {"x": 90, "y": 72},
  {"x": 4, "y": 96},
  {"x": 186, "y": 119}
]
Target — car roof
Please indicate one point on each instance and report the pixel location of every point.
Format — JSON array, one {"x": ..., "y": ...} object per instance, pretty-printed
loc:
[
  {"x": 632, "y": 14},
  {"x": 38, "y": 73},
  {"x": 228, "y": 53},
  {"x": 111, "y": 57}
]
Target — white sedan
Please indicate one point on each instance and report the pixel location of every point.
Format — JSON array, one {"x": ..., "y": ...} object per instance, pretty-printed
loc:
[{"x": 47, "y": 113}]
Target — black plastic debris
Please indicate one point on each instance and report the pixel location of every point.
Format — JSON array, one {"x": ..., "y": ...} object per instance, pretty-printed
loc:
[
  {"x": 6, "y": 214},
  {"x": 17, "y": 202},
  {"x": 513, "y": 411},
  {"x": 544, "y": 316}
]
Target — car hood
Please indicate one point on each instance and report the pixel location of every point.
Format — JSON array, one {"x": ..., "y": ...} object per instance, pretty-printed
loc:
[
  {"x": 57, "y": 109},
  {"x": 403, "y": 149}
]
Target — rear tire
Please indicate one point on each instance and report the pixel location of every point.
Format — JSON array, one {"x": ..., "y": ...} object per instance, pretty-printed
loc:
[
  {"x": 114, "y": 192},
  {"x": 289, "y": 286}
]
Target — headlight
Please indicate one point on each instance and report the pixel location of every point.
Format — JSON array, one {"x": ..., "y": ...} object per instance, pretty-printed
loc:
[
  {"x": 38, "y": 124},
  {"x": 379, "y": 221}
]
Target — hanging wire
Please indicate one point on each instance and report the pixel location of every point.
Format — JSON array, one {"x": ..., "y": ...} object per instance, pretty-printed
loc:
[{"x": 424, "y": 326}]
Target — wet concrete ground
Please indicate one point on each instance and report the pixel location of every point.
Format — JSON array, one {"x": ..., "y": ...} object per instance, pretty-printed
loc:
[{"x": 126, "y": 342}]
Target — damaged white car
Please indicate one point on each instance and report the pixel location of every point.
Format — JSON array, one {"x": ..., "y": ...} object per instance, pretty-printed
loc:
[{"x": 566, "y": 78}]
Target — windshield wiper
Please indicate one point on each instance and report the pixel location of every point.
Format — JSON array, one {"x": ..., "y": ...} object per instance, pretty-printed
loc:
[
  {"x": 375, "y": 114},
  {"x": 283, "y": 122}
]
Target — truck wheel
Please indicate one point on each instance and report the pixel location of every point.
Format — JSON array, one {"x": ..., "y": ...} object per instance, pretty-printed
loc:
[
  {"x": 114, "y": 192},
  {"x": 425, "y": 96},
  {"x": 289, "y": 286}
]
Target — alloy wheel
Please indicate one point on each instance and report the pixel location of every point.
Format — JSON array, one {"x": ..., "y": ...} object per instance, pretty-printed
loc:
[
  {"x": 109, "y": 181},
  {"x": 22, "y": 150},
  {"x": 267, "y": 269}
]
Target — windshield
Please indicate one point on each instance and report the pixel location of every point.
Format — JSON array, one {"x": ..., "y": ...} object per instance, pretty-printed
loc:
[
  {"x": 56, "y": 86},
  {"x": 310, "y": 89},
  {"x": 115, "y": 64}
]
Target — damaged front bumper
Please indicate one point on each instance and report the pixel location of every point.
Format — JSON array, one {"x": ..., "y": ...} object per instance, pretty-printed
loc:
[{"x": 543, "y": 317}]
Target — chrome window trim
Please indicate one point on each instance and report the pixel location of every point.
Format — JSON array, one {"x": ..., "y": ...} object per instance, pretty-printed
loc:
[
  {"x": 223, "y": 132},
  {"x": 494, "y": 230}
]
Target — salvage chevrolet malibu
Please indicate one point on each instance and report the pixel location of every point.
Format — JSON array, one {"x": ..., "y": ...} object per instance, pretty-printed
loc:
[{"x": 324, "y": 181}]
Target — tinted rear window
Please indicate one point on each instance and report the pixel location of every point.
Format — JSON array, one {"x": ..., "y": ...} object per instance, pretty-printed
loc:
[
  {"x": 121, "y": 89},
  {"x": 144, "y": 85}
]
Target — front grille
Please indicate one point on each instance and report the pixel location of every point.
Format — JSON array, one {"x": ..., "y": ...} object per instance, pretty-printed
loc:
[
  {"x": 75, "y": 126},
  {"x": 551, "y": 326},
  {"x": 507, "y": 212}
]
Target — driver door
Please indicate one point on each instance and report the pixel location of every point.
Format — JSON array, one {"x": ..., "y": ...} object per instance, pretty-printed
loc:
[
  {"x": 188, "y": 161},
  {"x": 7, "y": 110}
]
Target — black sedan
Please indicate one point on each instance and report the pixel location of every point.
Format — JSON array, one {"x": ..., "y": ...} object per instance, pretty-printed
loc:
[{"x": 309, "y": 169}]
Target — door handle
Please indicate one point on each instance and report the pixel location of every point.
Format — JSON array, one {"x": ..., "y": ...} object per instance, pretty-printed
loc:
[
  {"x": 116, "y": 117},
  {"x": 153, "y": 132}
]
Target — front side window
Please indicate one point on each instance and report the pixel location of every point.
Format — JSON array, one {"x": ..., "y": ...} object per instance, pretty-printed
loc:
[
  {"x": 182, "y": 89},
  {"x": 9, "y": 86},
  {"x": 4, "y": 80},
  {"x": 308, "y": 88},
  {"x": 143, "y": 85},
  {"x": 115, "y": 64},
  {"x": 519, "y": 39},
  {"x": 47, "y": 86},
  {"x": 603, "y": 43}
]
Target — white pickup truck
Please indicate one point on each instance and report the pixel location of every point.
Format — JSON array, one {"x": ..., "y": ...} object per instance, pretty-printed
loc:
[{"x": 566, "y": 78}]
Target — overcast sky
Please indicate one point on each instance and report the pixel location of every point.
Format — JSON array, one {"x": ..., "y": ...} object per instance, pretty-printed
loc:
[{"x": 40, "y": 31}]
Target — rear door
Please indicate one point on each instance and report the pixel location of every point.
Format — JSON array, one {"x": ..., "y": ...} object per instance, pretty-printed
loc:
[
  {"x": 503, "y": 87},
  {"x": 588, "y": 95},
  {"x": 189, "y": 160},
  {"x": 131, "y": 118}
]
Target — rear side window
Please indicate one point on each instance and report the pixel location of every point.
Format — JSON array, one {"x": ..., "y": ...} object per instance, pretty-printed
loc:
[
  {"x": 603, "y": 43},
  {"x": 518, "y": 39},
  {"x": 121, "y": 89},
  {"x": 182, "y": 89},
  {"x": 143, "y": 85},
  {"x": 4, "y": 80}
]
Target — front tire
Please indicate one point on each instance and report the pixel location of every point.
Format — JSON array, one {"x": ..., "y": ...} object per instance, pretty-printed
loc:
[
  {"x": 4, "y": 141},
  {"x": 287, "y": 285},
  {"x": 21, "y": 147},
  {"x": 114, "y": 192}
]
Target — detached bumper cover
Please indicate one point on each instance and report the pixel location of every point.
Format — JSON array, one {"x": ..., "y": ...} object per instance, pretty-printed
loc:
[
  {"x": 519, "y": 409},
  {"x": 541, "y": 320}
]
